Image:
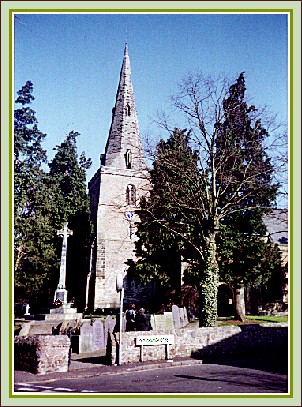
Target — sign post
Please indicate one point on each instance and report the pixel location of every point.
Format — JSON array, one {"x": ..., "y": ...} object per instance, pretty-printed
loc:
[
  {"x": 130, "y": 217},
  {"x": 120, "y": 289}
]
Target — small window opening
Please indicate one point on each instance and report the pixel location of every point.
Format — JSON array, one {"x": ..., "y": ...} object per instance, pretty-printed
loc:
[
  {"x": 131, "y": 195},
  {"x": 128, "y": 157},
  {"x": 128, "y": 110}
]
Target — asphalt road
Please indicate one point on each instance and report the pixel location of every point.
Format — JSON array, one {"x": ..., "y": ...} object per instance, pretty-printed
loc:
[{"x": 229, "y": 377}]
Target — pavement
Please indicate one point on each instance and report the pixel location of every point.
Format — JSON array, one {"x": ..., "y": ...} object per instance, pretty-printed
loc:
[{"x": 90, "y": 365}]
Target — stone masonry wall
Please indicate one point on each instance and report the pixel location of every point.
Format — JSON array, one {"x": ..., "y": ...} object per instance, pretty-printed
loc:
[
  {"x": 202, "y": 342},
  {"x": 42, "y": 354},
  {"x": 115, "y": 241},
  {"x": 123, "y": 169}
]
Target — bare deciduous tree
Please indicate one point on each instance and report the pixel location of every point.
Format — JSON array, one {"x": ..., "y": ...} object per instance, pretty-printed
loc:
[{"x": 230, "y": 147}]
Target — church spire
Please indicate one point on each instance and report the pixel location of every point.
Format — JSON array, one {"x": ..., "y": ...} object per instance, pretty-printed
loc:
[
  {"x": 126, "y": 49},
  {"x": 124, "y": 149}
]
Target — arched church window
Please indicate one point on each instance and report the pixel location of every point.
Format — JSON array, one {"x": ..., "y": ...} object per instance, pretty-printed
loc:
[
  {"x": 131, "y": 194},
  {"x": 128, "y": 157}
]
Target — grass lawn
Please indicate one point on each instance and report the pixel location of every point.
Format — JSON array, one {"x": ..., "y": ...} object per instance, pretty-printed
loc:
[
  {"x": 268, "y": 318},
  {"x": 253, "y": 319}
]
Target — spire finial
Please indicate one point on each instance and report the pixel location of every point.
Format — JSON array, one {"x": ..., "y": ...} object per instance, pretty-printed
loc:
[{"x": 126, "y": 49}]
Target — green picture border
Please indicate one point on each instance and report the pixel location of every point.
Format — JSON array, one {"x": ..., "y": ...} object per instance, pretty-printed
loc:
[{"x": 293, "y": 9}]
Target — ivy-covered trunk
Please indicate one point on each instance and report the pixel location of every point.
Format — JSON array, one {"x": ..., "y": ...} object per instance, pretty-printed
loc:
[{"x": 209, "y": 289}]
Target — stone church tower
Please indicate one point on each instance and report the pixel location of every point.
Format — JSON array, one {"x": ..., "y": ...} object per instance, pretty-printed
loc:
[{"x": 115, "y": 191}]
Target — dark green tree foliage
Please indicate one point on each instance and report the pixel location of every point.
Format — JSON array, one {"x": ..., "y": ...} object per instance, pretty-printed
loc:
[
  {"x": 162, "y": 241},
  {"x": 169, "y": 230},
  {"x": 232, "y": 174},
  {"x": 67, "y": 177},
  {"x": 34, "y": 256},
  {"x": 244, "y": 177},
  {"x": 244, "y": 170},
  {"x": 247, "y": 258}
]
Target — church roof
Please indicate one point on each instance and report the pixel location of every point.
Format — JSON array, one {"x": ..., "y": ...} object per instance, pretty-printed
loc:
[{"x": 277, "y": 225}]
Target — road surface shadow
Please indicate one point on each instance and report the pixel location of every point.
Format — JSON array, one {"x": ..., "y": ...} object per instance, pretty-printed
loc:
[{"x": 273, "y": 363}]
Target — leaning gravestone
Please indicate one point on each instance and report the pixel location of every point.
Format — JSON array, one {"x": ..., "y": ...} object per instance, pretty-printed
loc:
[{"x": 176, "y": 316}]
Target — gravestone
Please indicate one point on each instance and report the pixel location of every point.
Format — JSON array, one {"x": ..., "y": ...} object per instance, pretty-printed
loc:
[
  {"x": 112, "y": 323},
  {"x": 185, "y": 316},
  {"x": 168, "y": 321},
  {"x": 176, "y": 316},
  {"x": 181, "y": 317},
  {"x": 124, "y": 323},
  {"x": 162, "y": 322},
  {"x": 27, "y": 307},
  {"x": 91, "y": 337},
  {"x": 152, "y": 321},
  {"x": 85, "y": 338},
  {"x": 159, "y": 322},
  {"x": 98, "y": 334},
  {"x": 109, "y": 326}
]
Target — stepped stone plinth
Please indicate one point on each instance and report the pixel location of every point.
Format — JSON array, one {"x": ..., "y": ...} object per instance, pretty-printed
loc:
[{"x": 65, "y": 312}]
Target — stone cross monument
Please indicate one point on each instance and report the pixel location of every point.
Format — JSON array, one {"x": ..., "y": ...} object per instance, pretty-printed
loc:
[{"x": 61, "y": 292}]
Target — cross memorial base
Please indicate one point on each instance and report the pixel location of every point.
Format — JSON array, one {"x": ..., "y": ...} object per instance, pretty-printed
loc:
[
  {"x": 64, "y": 312},
  {"x": 61, "y": 294}
]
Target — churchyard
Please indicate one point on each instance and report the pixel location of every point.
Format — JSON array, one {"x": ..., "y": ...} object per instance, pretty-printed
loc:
[
  {"x": 44, "y": 343},
  {"x": 46, "y": 339},
  {"x": 172, "y": 329}
]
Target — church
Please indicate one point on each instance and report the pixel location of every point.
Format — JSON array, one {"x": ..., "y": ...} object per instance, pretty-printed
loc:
[{"x": 115, "y": 191}]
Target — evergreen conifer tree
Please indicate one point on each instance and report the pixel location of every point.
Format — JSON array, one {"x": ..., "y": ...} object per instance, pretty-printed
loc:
[
  {"x": 162, "y": 241},
  {"x": 248, "y": 259},
  {"x": 241, "y": 159},
  {"x": 67, "y": 181},
  {"x": 34, "y": 256}
]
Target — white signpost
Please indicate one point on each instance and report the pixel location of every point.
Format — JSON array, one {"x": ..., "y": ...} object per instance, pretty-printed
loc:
[
  {"x": 147, "y": 340},
  {"x": 130, "y": 218},
  {"x": 120, "y": 289}
]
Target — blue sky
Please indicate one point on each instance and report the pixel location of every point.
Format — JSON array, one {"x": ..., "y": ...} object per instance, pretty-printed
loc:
[{"x": 74, "y": 61}]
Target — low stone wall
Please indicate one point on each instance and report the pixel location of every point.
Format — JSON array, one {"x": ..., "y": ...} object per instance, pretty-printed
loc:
[
  {"x": 42, "y": 354},
  {"x": 203, "y": 342}
]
